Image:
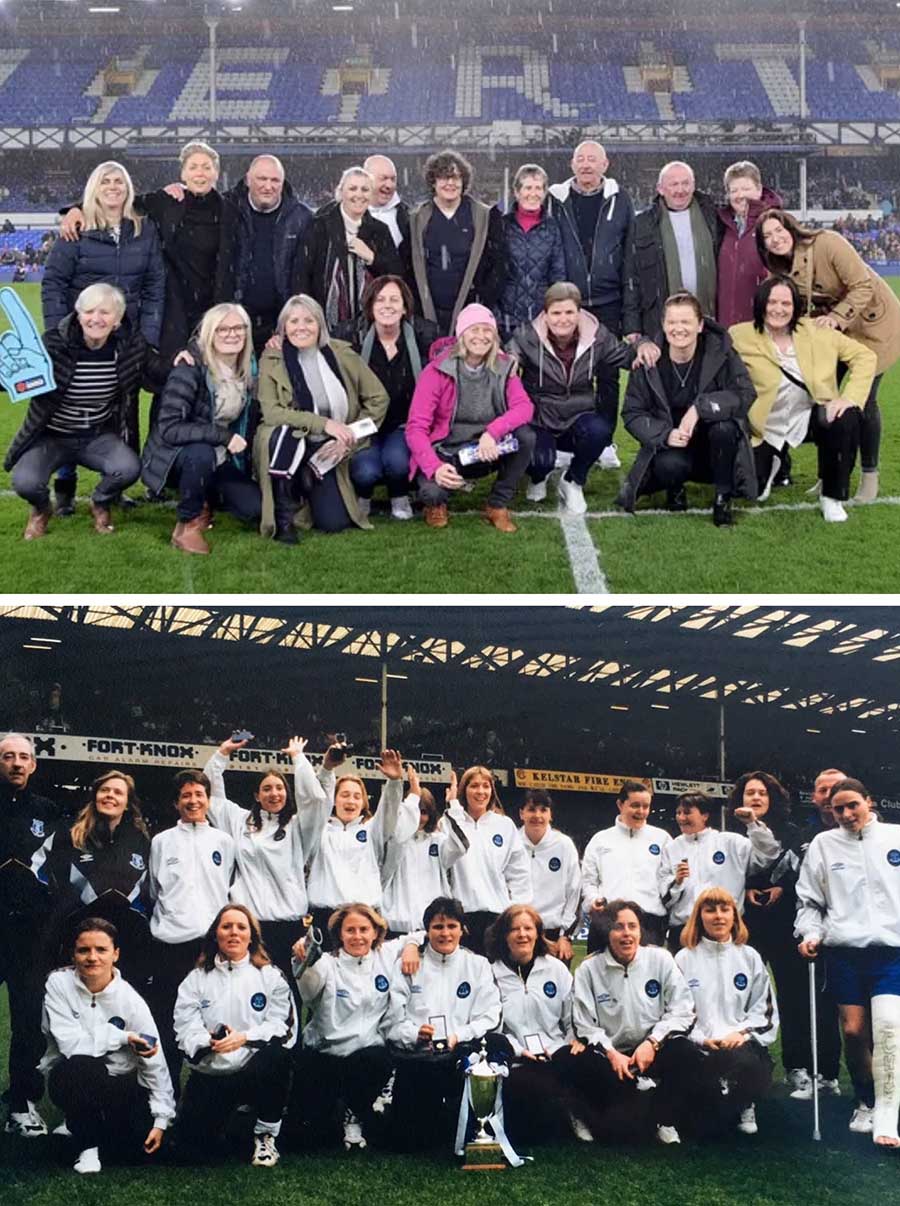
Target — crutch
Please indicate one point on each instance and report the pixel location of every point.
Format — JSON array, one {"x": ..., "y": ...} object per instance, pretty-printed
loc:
[{"x": 814, "y": 1041}]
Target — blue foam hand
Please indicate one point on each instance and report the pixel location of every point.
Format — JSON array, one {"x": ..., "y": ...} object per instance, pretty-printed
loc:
[{"x": 25, "y": 367}]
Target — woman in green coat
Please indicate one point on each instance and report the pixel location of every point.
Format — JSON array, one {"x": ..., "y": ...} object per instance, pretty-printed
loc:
[{"x": 315, "y": 395}]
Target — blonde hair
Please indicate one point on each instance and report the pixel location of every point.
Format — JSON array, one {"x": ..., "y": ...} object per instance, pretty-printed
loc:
[
  {"x": 310, "y": 304},
  {"x": 694, "y": 931},
  {"x": 366, "y": 808},
  {"x": 340, "y": 915},
  {"x": 87, "y": 821},
  {"x": 353, "y": 171},
  {"x": 198, "y": 148},
  {"x": 206, "y": 341},
  {"x": 490, "y": 359},
  {"x": 91, "y": 206},
  {"x": 479, "y": 772}
]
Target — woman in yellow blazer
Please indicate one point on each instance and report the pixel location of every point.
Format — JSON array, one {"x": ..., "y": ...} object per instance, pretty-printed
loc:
[
  {"x": 793, "y": 365},
  {"x": 839, "y": 290}
]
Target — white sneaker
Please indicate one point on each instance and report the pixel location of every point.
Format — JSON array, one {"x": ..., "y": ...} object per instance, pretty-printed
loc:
[
  {"x": 579, "y": 1130},
  {"x": 724, "y": 1086},
  {"x": 401, "y": 507},
  {"x": 88, "y": 1161},
  {"x": 364, "y": 506},
  {"x": 832, "y": 510},
  {"x": 571, "y": 496},
  {"x": 829, "y": 1088},
  {"x": 265, "y": 1153},
  {"x": 862, "y": 1121},
  {"x": 770, "y": 481},
  {"x": 609, "y": 458},
  {"x": 563, "y": 460},
  {"x": 353, "y": 1136},
  {"x": 385, "y": 1098},
  {"x": 27, "y": 1124},
  {"x": 747, "y": 1124},
  {"x": 63, "y": 1130},
  {"x": 536, "y": 491},
  {"x": 800, "y": 1083},
  {"x": 667, "y": 1134}
]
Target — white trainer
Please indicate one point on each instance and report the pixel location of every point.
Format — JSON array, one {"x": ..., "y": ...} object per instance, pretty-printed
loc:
[
  {"x": 63, "y": 1130},
  {"x": 579, "y": 1130},
  {"x": 385, "y": 1098},
  {"x": 800, "y": 1083},
  {"x": 770, "y": 481},
  {"x": 829, "y": 1088},
  {"x": 353, "y": 1136},
  {"x": 265, "y": 1153},
  {"x": 536, "y": 491},
  {"x": 27, "y": 1124},
  {"x": 667, "y": 1134},
  {"x": 571, "y": 496},
  {"x": 832, "y": 510},
  {"x": 609, "y": 458},
  {"x": 401, "y": 507},
  {"x": 88, "y": 1161},
  {"x": 862, "y": 1121},
  {"x": 747, "y": 1124}
]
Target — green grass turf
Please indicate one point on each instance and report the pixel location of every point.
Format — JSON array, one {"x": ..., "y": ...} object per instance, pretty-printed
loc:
[
  {"x": 780, "y": 1166},
  {"x": 768, "y": 551}
]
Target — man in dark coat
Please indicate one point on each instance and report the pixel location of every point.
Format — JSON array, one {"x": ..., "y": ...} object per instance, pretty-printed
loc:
[
  {"x": 270, "y": 246},
  {"x": 387, "y": 205},
  {"x": 676, "y": 244},
  {"x": 26, "y": 821}
]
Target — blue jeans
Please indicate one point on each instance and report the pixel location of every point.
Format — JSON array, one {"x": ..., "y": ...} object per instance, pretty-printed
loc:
[
  {"x": 200, "y": 480},
  {"x": 385, "y": 460},
  {"x": 585, "y": 439},
  {"x": 106, "y": 453}
]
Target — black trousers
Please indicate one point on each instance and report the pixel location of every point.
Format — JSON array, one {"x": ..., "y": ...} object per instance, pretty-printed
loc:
[
  {"x": 709, "y": 457},
  {"x": 23, "y": 971},
  {"x": 263, "y": 1083},
  {"x": 747, "y": 1073},
  {"x": 112, "y": 1112},
  {"x": 323, "y": 1081},
  {"x": 278, "y": 938},
  {"x": 607, "y": 377},
  {"x": 540, "y": 1096},
  {"x": 510, "y": 470},
  {"x": 870, "y": 424},
  {"x": 476, "y": 925},
  {"x": 836, "y": 443},
  {"x": 170, "y": 963}
]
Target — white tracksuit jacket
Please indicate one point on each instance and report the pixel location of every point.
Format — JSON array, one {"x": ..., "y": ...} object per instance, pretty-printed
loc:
[
  {"x": 271, "y": 882},
  {"x": 555, "y": 879},
  {"x": 495, "y": 871},
  {"x": 350, "y": 1000},
  {"x": 255, "y": 1001},
  {"x": 731, "y": 990},
  {"x": 415, "y": 873},
  {"x": 540, "y": 1005},
  {"x": 79, "y": 1022},
  {"x": 848, "y": 892},
  {"x": 620, "y": 1006},
  {"x": 347, "y": 862},
  {"x": 623, "y": 863},
  {"x": 191, "y": 871},
  {"x": 459, "y": 986},
  {"x": 716, "y": 860}
]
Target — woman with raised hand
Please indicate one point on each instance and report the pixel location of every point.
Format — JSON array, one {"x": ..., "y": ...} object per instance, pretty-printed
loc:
[
  {"x": 840, "y": 291},
  {"x": 737, "y": 1017},
  {"x": 106, "y": 1071},
  {"x": 634, "y": 1012},
  {"x": 201, "y": 430},
  {"x": 541, "y": 1098},
  {"x": 235, "y": 1023},
  {"x": 353, "y": 842},
  {"x": 345, "y": 1063},
  {"x": 494, "y": 872},
  {"x": 274, "y": 839}
]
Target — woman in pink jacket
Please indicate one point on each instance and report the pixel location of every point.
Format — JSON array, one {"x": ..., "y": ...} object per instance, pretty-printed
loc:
[{"x": 469, "y": 417}]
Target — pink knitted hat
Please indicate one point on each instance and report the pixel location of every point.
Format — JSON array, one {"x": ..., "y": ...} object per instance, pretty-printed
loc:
[{"x": 470, "y": 316}]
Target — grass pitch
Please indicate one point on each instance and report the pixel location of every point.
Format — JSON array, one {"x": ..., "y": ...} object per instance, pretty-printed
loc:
[{"x": 781, "y": 547}]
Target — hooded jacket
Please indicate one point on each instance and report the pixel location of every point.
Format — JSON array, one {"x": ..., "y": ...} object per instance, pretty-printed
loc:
[
  {"x": 559, "y": 401},
  {"x": 732, "y": 991},
  {"x": 607, "y": 279},
  {"x": 724, "y": 392}
]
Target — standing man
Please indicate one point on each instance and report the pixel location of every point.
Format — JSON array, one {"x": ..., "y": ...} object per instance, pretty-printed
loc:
[
  {"x": 623, "y": 863},
  {"x": 676, "y": 245},
  {"x": 26, "y": 820},
  {"x": 386, "y": 204},
  {"x": 596, "y": 218}
]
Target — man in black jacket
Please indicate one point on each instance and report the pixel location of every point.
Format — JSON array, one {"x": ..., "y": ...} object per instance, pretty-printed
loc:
[
  {"x": 387, "y": 205},
  {"x": 26, "y": 820},
  {"x": 676, "y": 244}
]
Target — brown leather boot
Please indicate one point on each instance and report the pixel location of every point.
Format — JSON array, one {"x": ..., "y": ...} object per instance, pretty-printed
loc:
[
  {"x": 499, "y": 518},
  {"x": 101, "y": 518},
  {"x": 37, "y": 523},
  {"x": 207, "y": 516},
  {"x": 437, "y": 517},
  {"x": 188, "y": 535}
]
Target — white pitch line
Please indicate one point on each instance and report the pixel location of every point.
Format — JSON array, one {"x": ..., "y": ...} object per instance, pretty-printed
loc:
[{"x": 589, "y": 577}]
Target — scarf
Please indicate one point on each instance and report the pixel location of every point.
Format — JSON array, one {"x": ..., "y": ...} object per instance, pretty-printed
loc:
[
  {"x": 704, "y": 252},
  {"x": 331, "y": 378},
  {"x": 409, "y": 339}
]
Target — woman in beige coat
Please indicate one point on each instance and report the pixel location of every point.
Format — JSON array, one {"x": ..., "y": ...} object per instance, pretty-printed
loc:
[
  {"x": 313, "y": 394},
  {"x": 794, "y": 366},
  {"x": 840, "y": 291}
]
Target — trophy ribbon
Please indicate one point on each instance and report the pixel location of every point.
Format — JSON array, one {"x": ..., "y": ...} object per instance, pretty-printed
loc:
[{"x": 495, "y": 1118}]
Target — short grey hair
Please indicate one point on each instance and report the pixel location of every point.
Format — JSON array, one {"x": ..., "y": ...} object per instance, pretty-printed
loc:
[
  {"x": 310, "y": 304},
  {"x": 19, "y": 737},
  {"x": 526, "y": 170},
  {"x": 97, "y": 294},
  {"x": 667, "y": 167}
]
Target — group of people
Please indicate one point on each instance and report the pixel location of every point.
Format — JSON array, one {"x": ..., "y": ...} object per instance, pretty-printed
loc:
[
  {"x": 332, "y": 968},
  {"x": 300, "y": 360}
]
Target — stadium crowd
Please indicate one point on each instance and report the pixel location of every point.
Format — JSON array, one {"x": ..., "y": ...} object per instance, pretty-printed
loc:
[
  {"x": 298, "y": 361},
  {"x": 408, "y": 937}
]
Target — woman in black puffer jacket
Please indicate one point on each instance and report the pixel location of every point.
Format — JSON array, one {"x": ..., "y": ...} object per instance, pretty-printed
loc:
[
  {"x": 534, "y": 251},
  {"x": 202, "y": 429}
]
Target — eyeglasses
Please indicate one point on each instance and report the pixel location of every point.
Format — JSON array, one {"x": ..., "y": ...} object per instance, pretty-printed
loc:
[{"x": 237, "y": 330}]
